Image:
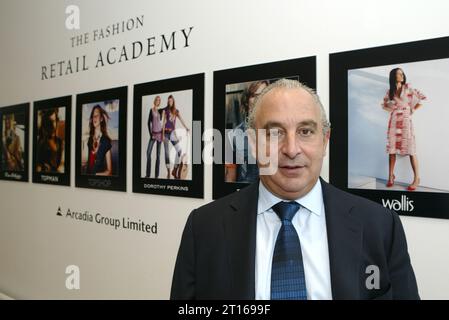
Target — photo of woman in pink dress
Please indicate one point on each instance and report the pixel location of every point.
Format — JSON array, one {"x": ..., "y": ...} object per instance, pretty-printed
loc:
[{"x": 401, "y": 101}]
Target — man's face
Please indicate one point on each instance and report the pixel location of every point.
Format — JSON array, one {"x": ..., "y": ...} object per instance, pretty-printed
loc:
[{"x": 294, "y": 117}]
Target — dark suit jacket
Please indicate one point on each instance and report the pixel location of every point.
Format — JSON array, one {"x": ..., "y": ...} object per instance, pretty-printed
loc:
[{"x": 216, "y": 258}]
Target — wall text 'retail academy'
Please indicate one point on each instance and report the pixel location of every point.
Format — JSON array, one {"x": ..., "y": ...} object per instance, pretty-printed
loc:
[
  {"x": 404, "y": 204},
  {"x": 129, "y": 51}
]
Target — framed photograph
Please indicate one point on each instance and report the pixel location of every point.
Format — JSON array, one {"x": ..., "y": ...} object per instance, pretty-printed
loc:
[
  {"x": 51, "y": 141},
  {"x": 168, "y": 126},
  {"x": 234, "y": 93},
  {"x": 14, "y": 124},
  {"x": 101, "y": 139},
  {"x": 388, "y": 114}
]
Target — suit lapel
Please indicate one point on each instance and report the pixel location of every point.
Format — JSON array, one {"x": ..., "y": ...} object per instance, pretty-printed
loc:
[
  {"x": 344, "y": 233},
  {"x": 240, "y": 234}
]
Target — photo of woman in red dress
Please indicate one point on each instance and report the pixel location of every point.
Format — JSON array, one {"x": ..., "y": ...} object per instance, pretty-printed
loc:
[{"x": 401, "y": 101}]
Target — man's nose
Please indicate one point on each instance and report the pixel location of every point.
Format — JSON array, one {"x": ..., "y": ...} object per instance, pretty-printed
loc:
[{"x": 291, "y": 146}]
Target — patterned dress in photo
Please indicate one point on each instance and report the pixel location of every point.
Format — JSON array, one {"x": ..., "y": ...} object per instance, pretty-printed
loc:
[{"x": 400, "y": 134}]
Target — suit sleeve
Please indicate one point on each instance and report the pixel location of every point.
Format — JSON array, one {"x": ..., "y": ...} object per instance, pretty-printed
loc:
[
  {"x": 402, "y": 277},
  {"x": 183, "y": 283}
]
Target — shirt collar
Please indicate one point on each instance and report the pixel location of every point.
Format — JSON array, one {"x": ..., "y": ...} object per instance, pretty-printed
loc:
[{"x": 312, "y": 201}]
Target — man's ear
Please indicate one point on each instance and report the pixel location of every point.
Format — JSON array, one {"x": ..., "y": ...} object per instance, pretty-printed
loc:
[{"x": 327, "y": 137}]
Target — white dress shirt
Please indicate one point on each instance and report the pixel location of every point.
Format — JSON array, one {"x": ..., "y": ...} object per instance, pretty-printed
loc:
[{"x": 310, "y": 224}]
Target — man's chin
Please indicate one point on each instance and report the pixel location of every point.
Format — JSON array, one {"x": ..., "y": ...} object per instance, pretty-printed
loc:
[{"x": 291, "y": 185}]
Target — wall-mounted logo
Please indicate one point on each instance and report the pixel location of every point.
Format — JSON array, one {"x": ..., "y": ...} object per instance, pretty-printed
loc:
[
  {"x": 404, "y": 204},
  {"x": 114, "y": 222}
]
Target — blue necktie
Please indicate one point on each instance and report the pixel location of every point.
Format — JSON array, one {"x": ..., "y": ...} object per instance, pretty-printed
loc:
[{"x": 287, "y": 271}]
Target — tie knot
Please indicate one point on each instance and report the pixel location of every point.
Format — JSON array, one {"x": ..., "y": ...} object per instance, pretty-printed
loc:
[{"x": 286, "y": 210}]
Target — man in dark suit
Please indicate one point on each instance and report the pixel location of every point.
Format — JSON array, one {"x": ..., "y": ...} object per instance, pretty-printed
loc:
[{"x": 291, "y": 235}]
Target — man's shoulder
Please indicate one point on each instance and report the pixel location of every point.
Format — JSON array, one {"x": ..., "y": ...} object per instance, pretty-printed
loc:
[
  {"x": 363, "y": 209},
  {"x": 227, "y": 203},
  {"x": 347, "y": 196}
]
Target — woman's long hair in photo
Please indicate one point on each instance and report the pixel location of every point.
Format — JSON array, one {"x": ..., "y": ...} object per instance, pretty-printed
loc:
[
  {"x": 103, "y": 125},
  {"x": 392, "y": 80}
]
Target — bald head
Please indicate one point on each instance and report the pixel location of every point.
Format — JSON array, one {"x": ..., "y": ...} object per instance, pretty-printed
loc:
[{"x": 286, "y": 84}]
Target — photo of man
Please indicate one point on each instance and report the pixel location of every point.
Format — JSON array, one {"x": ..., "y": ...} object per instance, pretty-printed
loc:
[
  {"x": 235, "y": 91},
  {"x": 50, "y": 147}
]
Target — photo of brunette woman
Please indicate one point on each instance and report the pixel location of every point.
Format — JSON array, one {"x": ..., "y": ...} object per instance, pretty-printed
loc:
[
  {"x": 100, "y": 144},
  {"x": 394, "y": 122},
  {"x": 50, "y": 140},
  {"x": 401, "y": 101}
]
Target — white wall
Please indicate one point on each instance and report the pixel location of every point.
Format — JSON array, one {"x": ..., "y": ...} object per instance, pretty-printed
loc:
[{"x": 36, "y": 245}]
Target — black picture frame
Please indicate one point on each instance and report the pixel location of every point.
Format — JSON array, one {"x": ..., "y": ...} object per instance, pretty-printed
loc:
[
  {"x": 116, "y": 181},
  {"x": 21, "y": 114},
  {"x": 342, "y": 66},
  {"x": 302, "y": 69},
  {"x": 174, "y": 186},
  {"x": 53, "y": 177}
]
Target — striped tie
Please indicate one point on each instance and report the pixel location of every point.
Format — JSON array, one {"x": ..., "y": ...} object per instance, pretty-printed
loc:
[{"x": 287, "y": 271}]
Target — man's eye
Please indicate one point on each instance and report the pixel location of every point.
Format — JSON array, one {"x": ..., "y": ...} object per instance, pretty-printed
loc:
[{"x": 305, "y": 132}]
